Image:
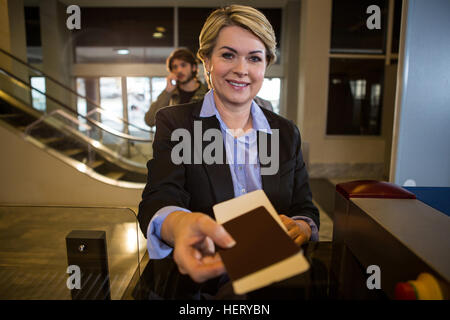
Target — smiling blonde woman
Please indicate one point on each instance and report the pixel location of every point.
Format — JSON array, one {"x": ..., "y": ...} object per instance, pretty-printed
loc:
[{"x": 237, "y": 43}]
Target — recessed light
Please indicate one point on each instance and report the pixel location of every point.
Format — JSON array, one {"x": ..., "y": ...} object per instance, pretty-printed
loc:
[
  {"x": 160, "y": 29},
  {"x": 157, "y": 35},
  {"x": 122, "y": 51}
]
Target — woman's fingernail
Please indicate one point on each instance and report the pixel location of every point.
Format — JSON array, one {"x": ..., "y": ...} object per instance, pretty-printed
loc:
[{"x": 229, "y": 241}]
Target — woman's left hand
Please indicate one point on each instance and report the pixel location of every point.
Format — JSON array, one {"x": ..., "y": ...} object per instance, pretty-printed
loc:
[{"x": 298, "y": 230}]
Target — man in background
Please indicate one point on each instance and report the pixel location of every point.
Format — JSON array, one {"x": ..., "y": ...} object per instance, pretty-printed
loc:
[{"x": 182, "y": 86}]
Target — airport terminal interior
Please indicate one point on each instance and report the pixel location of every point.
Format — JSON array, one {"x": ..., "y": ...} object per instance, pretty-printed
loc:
[{"x": 365, "y": 81}]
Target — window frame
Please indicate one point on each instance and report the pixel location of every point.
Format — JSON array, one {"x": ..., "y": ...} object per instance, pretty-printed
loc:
[{"x": 388, "y": 58}]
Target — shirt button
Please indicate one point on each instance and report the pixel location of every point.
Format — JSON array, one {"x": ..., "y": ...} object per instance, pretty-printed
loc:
[{"x": 243, "y": 190}]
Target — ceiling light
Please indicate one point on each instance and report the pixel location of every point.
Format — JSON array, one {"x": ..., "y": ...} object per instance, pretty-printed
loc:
[
  {"x": 160, "y": 29},
  {"x": 157, "y": 35},
  {"x": 122, "y": 51}
]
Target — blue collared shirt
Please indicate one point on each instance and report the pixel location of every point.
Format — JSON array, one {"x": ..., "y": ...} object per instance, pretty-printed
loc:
[{"x": 242, "y": 157}]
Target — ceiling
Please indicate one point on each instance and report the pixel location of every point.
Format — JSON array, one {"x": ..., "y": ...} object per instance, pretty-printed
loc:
[{"x": 166, "y": 3}]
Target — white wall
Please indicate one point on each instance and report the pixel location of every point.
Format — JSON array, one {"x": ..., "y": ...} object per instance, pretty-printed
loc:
[
  {"x": 421, "y": 146},
  {"x": 328, "y": 155},
  {"x": 31, "y": 176}
]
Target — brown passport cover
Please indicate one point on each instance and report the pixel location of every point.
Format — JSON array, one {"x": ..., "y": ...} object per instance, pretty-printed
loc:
[{"x": 260, "y": 242}]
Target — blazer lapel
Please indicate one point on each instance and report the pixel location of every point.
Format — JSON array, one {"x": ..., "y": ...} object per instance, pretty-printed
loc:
[
  {"x": 219, "y": 174},
  {"x": 270, "y": 183}
]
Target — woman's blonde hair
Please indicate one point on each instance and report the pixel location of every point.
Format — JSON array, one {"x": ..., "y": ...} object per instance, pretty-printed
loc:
[{"x": 236, "y": 15}]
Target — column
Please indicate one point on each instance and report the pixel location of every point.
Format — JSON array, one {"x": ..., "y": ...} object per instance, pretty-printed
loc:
[
  {"x": 13, "y": 40},
  {"x": 56, "y": 52}
]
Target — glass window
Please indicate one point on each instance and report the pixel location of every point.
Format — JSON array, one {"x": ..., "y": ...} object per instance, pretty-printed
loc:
[
  {"x": 355, "y": 96},
  {"x": 396, "y": 26},
  {"x": 33, "y": 34},
  {"x": 158, "y": 85},
  {"x": 146, "y": 34},
  {"x": 191, "y": 21},
  {"x": 274, "y": 15},
  {"x": 349, "y": 31},
  {"x": 111, "y": 101},
  {"x": 81, "y": 103},
  {"x": 32, "y": 26},
  {"x": 270, "y": 91},
  {"x": 38, "y": 99},
  {"x": 138, "y": 93}
]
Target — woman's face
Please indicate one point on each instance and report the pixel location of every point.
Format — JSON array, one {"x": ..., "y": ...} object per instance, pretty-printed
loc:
[{"x": 237, "y": 65}]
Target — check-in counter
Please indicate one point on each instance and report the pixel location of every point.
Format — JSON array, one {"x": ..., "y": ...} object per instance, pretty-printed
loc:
[
  {"x": 64, "y": 253},
  {"x": 383, "y": 233}
]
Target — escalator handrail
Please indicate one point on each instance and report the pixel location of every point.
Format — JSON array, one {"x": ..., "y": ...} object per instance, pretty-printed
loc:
[
  {"x": 69, "y": 89},
  {"x": 112, "y": 156},
  {"x": 93, "y": 122}
]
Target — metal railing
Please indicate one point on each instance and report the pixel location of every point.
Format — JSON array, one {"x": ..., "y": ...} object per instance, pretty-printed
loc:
[{"x": 97, "y": 108}]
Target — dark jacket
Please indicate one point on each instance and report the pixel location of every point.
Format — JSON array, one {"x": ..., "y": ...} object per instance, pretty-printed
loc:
[
  {"x": 170, "y": 99},
  {"x": 198, "y": 187}
]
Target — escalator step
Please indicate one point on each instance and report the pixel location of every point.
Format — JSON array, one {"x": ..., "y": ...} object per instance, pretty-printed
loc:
[
  {"x": 115, "y": 175},
  {"x": 10, "y": 115},
  {"x": 96, "y": 164},
  {"x": 50, "y": 140},
  {"x": 72, "y": 152}
]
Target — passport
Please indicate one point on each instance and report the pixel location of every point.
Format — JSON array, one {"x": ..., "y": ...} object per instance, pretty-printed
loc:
[{"x": 264, "y": 253}]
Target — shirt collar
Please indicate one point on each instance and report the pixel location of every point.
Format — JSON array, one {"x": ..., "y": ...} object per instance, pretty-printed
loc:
[{"x": 209, "y": 109}]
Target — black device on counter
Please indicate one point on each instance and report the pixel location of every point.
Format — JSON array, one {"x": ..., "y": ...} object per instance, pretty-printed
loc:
[{"x": 87, "y": 250}]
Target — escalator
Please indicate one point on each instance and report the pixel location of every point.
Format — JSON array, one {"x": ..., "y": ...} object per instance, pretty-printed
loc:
[{"x": 82, "y": 140}]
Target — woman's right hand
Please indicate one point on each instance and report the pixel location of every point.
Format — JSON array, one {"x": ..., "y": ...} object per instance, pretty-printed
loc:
[{"x": 193, "y": 236}]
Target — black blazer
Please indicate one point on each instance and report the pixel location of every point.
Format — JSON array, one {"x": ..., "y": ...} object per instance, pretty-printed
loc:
[{"x": 198, "y": 187}]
